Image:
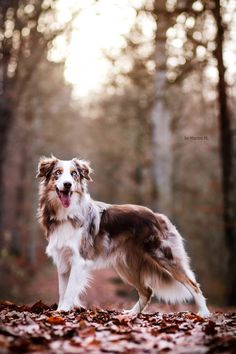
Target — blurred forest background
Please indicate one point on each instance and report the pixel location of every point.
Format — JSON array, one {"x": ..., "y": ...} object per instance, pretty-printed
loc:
[{"x": 145, "y": 90}]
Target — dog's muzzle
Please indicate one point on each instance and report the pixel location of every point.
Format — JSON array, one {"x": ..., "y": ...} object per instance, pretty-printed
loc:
[{"x": 65, "y": 194}]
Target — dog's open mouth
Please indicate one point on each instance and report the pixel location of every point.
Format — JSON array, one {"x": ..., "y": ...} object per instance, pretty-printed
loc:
[{"x": 65, "y": 197}]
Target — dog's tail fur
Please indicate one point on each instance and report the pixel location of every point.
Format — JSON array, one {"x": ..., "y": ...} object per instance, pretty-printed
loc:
[
  {"x": 169, "y": 290},
  {"x": 164, "y": 286}
]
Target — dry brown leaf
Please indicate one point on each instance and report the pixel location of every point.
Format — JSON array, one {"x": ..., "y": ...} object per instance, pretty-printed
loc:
[
  {"x": 56, "y": 320},
  {"x": 86, "y": 332}
]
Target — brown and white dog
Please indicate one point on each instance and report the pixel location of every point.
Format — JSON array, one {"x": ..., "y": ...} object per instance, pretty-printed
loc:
[{"x": 144, "y": 247}]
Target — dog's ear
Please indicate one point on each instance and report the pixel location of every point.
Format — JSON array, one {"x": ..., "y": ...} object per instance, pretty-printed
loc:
[
  {"x": 83, "y": 168},
  {"x": 45, "y": 166}
]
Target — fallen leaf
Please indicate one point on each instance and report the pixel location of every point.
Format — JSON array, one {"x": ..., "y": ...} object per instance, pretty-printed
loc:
[
  {"x": 210, "y": 328},
  {"x": 56, "y": 320},
  {"x": 86, "y": 332},
  {"x": 3, "y": 342},
  {"x": 39, "y": 307}
]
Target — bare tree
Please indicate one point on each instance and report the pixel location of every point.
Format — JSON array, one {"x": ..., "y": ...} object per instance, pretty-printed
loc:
[
  {"x": 226, "y": 151},
  {"x": 161, "y": 117},
  {"x": 22, "y": 48}
]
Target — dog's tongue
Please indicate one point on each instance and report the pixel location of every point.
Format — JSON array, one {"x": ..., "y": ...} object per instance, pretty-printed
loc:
[{"x": 65, "y": 199}]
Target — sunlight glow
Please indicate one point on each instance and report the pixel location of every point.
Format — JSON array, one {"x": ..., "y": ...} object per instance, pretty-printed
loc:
[{"x": 98, "y": 29}]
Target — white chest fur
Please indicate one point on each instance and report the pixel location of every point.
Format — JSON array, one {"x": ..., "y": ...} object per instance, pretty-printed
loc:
[{"x": 64, "y": 244}]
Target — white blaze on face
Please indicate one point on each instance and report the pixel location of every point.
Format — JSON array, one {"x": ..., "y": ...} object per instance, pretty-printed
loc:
[
  {"x": 66, "y": 176},
  {"x": 65, "y": 184}
]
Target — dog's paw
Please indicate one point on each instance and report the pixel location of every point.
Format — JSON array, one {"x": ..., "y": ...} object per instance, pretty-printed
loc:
[
  {"x": 131, "y": 312},
  {"x": 67, "y": 306},
  {"x": 204, "y": 312},
  {"x": 64, "y": 307}
]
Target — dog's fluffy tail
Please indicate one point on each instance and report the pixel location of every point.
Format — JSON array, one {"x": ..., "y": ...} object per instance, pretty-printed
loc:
[
  {"x": 171, "y": 291},
  {"x": 165, "y": 287}
]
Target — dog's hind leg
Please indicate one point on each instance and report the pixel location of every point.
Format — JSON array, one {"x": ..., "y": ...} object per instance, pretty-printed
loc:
[
  {"x": 132, "y": 272},
  {"x": 198, "y": 296},
  {"x": 145, "y": 295},
  {"x": 179, "y": 274}
]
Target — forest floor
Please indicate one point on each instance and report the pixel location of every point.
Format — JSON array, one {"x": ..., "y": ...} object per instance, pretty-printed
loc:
[
  {"x": 104, "y": 328},
  {"x": 41, "y": 329}
]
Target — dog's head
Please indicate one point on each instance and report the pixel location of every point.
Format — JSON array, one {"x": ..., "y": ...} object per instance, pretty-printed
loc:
[{"x": 64, "y": 178}]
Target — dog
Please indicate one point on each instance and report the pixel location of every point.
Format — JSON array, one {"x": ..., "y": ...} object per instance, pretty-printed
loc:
[{"x": 144, "y": 247}]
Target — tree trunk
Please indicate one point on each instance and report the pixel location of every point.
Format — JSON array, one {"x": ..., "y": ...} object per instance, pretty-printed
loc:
[
  {"x": 5, "y": 122},
  {"x": 226, "y": 150},
  {"x": 161, "y": 120},
  {"x": 13, "y": 88}
]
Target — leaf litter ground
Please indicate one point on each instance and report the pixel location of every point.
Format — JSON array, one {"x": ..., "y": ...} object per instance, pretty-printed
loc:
[{"x": 40, "y": 329}]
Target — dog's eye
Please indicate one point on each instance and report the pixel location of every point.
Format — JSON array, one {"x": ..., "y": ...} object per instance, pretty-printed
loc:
[
  {"x": 74, "y": 174},
  {"x": 58, "y": 173}
]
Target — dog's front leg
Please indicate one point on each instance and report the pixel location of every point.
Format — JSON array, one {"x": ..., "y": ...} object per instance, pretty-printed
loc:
[
  {"x": 77, "y": 282},
  {"x": 63, "y": 279}
]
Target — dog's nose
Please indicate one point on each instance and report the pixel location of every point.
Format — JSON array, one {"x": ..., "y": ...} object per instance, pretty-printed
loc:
[{"x": 67, "y": 185}]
